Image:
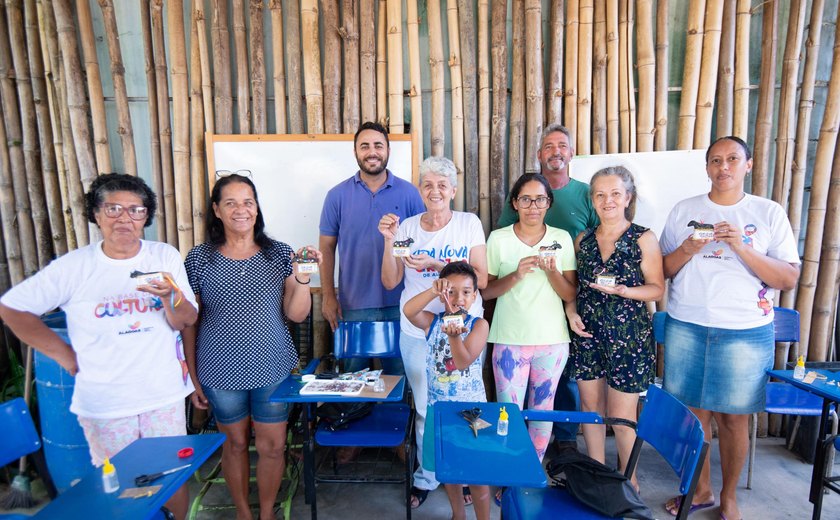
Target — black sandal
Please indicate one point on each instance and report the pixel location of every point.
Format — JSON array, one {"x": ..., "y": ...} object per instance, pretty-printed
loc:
[
  {"x": 420, "y": 494},
  {"x": 468, "y": 501}
]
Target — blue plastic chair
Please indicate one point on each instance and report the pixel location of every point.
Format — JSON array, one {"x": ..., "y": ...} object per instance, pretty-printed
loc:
[
  {"x": 389, "y": 425},
  {"x": 666, "y": 424},
  {"x": 19, "y": 437},
  {"x": 823, "y": 466},
  {"x": 783, "y": 398}
]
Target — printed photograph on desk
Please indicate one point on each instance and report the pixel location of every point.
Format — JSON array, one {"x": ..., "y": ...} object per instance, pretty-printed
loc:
[{"x": 332, "y": 387}]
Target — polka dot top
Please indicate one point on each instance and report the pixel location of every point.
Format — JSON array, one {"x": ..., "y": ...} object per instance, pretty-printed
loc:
[{"x": 243, "y": 342}]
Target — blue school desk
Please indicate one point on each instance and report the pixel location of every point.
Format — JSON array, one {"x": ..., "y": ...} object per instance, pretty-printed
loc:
[{"x": 144, "y": 456}]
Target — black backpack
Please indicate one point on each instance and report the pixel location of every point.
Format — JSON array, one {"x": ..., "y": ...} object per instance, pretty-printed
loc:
[{"x": 336, "y": 416}]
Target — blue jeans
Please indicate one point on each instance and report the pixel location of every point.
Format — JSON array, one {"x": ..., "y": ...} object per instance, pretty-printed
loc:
[
  {"x": 567, "y": 399},
  {"x": 391, "y": 366}
]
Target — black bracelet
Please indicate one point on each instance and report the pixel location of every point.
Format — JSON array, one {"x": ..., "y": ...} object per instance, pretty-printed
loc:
[{"x": 302, "y": 283}]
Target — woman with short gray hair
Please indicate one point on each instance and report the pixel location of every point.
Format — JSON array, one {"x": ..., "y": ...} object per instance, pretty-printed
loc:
[{"x": 437, "y": 237}]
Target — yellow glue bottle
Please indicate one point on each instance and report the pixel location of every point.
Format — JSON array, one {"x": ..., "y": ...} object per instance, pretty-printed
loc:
[
  {"x": 502, "y": 426},
  {"x": 799, "y": 369},
  {"x": 110, "y": 482}
]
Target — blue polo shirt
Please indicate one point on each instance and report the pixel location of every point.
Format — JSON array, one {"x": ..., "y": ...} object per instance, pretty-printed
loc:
[{"x": 351, "y": 212}]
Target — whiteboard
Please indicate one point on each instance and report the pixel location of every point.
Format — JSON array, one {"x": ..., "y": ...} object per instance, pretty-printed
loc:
[
  {"x": 293, "y": 174},
  {"x": 662, "y": 179}
]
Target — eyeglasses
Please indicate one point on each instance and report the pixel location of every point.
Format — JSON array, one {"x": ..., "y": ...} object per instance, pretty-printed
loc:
[
  {"x": 228, "y": 173},
  {"x": 527, "y": 202},
  {"x": 134, "y": 212}
]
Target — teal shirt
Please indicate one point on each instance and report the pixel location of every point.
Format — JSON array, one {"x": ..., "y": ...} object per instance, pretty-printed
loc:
[{"x": 572, "y": 210}]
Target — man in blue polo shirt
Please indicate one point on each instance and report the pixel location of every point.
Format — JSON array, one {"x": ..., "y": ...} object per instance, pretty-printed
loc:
[{"x": 350, "y": 220}]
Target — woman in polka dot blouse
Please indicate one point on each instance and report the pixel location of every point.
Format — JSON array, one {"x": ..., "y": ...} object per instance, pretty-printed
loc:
[{"x": 247, "y": 286}]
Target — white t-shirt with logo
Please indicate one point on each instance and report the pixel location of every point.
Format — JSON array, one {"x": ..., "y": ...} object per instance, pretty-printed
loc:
[
  {"x": 716, "y": 288},
  {"x": 130, "y": 360},
  {"x": 450, "y": 244}
]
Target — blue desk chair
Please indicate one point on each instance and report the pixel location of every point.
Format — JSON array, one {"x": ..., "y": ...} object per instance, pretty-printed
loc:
[
  {"x": 784, "y": 398},
  {"x": 389, "y": 425},
  {"x": 824, "y": 463},
  {"x": 666, "y": 424},
  {"x": 19, "y": 437}
]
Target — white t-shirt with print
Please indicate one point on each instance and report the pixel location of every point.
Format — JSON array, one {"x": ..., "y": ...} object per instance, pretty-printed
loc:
[
  {"x": 130, "y": 360},
  {"x": 450, "y": 244},
  {"x": 716, "y": 288}
]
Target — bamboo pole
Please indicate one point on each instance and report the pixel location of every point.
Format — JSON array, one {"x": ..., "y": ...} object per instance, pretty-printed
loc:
[
  {"x": 124, "y": 127},
  {"x": 382, "y": 63},
  {"x": 726, "y": 71},
  {"x": 154, "y": 127},
  {"x": 350, "y": 34},
  {"x": 787, "y": 103},
  {"x": 466, "y": 20},
  {"x": 293, "y": 74},
  {"x": 395, "y": 67},
  {"x": 14, "y": 141},
  {"x": 624, "y": 92},
  {"x": 740, "y": 119},
  {"x": 181, "y": 123},
  {"x": 516, "y": 147},
  {"x": 258, "y": 97},
  {"x": 613, "y": 138},
  {"x": 766, "y": 96},
  {"x": 167, "y": 196},
  {"x": 332, "y": 66},
  {"x": 437, "y": 134},
  {"x": 198, "y": 176},
  {"x": 556, "y": 34},
  {"x": 599, "y": 80},
  {"x": 691, "y": 74},
  {"x": 415, "y": 91},
  {"x": 312, "y": 67},
  {"x": 279, "y": 65},
  {"x": 222, "y": 97},
  {"x": 646, "y": 62},
  {"x": 94, "y": 85},
  {"x": 50, "y": 63},
  {"x": 455, "y": 79},
  {"x": 484, "y": 115},
  {"x": 11, "y": 240},
  {"x": 240, "y": 52},
  {"x": 571, "y": 68},
  {"x": 367, "y": 59},
  {"x": 498, "y": 144},
  {"x": 708, "y": 71},
  {"x": 660, "y": 140},
  {"x": 75, "y": 189},
  {"x": 825, "y": 298},
  {"x": 29, "y": 127},
  {"x": 584, "y": 101},
  {"x": 204, "y": 58},
  {"x": 819, "y": 195},
  {"x": 631, "y": 89},
  {"x": 49, "y": 172}
]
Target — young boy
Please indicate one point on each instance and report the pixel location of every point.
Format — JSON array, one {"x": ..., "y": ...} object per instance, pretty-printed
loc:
[{"x": 452, "y": 364}]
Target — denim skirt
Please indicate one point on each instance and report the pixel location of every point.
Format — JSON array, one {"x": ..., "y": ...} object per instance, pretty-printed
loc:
[{"x": 721, "y": 370}]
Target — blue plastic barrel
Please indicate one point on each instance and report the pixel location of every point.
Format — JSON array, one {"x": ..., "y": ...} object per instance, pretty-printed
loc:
[{"x": 65, "y": 447}]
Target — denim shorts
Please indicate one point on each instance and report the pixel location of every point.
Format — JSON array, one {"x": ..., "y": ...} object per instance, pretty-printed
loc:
[
  {"x": 721, "y": 370},
  {"x": 231, "y": 406}
]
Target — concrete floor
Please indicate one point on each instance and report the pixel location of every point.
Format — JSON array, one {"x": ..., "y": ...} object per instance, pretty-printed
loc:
[{"x": 780, "y": 491}]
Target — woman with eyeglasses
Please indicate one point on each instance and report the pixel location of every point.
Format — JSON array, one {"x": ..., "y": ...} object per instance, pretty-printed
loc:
[
  {"x": 240, "y": 350},
  {"x": 125, "y": 349},
  {"x": 613, "y": 351},
  {"x": 531, "y": 268}
]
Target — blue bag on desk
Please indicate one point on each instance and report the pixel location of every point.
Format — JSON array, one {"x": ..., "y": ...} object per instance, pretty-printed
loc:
[{"x": 336, "y": 416}]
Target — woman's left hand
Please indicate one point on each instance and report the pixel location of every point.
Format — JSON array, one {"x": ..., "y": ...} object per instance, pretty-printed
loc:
[
  {"x": 618, "y": 290},
  {"x": 161, "y": 289},
  {"x": 729, "y": 234},
  {"x": 421, "y": 262},
  {"x": 548, "y": 264},
  {"x": 311, "y": 252}
]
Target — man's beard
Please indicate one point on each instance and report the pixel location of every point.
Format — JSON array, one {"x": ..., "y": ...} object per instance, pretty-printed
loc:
[{"x": 383, "y": 165}]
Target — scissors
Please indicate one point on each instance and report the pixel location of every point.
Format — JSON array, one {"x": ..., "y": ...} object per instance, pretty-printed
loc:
[
  {"x": 471, "y": 416},
  {"x": 145, "y": 480}
]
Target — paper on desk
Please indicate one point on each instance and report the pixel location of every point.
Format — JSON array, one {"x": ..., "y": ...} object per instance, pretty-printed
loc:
[{"x": 140, "y": 492}]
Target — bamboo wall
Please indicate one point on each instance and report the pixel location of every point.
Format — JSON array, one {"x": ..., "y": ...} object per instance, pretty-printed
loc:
[{"x": 131, "y": 85}]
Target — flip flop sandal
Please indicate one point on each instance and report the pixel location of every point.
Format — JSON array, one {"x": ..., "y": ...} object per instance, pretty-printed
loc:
[
  {"x": 468, "y": 501},
  {"x": 420, "y": 494},
  {"x": 673, "y": 506}
]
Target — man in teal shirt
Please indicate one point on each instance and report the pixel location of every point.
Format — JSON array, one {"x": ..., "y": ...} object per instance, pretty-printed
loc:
[{"x": 572, "y": 210}]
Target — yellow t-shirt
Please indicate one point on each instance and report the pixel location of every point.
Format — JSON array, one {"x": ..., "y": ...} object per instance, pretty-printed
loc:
[{"x": 531, "y": 313}]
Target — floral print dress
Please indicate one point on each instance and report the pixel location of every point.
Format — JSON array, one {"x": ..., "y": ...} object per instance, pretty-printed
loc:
[{"x": 622, "y": 348}]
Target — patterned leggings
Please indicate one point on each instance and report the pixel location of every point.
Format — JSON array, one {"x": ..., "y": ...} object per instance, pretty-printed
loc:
[{"x": 531, "y": 369}]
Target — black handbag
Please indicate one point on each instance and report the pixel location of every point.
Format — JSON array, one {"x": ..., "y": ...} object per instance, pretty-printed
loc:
[
  {"x": 598, "y": 486},
  {"x": 336, "y": 416}
]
